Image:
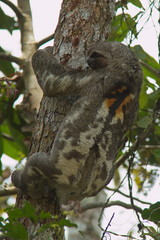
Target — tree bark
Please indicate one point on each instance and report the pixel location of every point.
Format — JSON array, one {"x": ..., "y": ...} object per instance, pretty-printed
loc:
[{"x": 81, "y": 24}]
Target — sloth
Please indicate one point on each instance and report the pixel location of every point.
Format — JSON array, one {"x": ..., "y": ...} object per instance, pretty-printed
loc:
[{"x": 81, "y": 161}]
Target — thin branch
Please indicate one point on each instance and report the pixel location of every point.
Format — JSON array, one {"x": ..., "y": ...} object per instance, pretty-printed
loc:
[
  {"x": 11, "y": 78},
  {"x": 108, "y": 225},
  {"x": 11, "y": 58},
  {"x": 133, "y": 148},
  {"x": 125, "y": 195},
  {"x": 141, "y": 138},
  {"x": 153, "y": 70},
  {"x": 106, "y": 205},
  {"x": 130, "y": 186},
  {"x": 15, "y": 9},
  {"x": 44, "y": 40},
  {"x": 122, "y": 235},
  {"x": 8, "y": 191},
  {"x": 100, "y": 217},
  {"x": 8, "y": 137},
  {"x": 150, "y": 147}
]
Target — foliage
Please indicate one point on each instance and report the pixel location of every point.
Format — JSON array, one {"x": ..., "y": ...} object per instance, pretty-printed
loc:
[
  {"x": 11, "y": 226},
  {"x": 124, "y": 28},
  {"x": 152, "y": 214},
  {"x": 7, "y": 22},
  {"x": 6, "y": 68},
  {"x": 12, "y": 139}
]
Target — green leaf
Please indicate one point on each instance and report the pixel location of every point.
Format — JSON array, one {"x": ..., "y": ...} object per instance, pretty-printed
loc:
[
  {"x": 13, "y": 139},
  {"x": 145, "y": 57},
  {"x": 156, "y": 153},
  {"x": 136, "y": 3},
  {"x": 15, "y": 231},
  {"x": 66, "y": 223},
  {"x": 152, "y": 98},
  {"x": 121, "y": 26},
  {"x": 1, "y": 144},
  {"x": 45, "y": 215},
  {"x": 7, "y": 22},
  {"x": 143, "y": 100},
  {"x": 60, "y": 224},
  {"x": 28, "y": 211},
  {"x": 153, "y": 230},
  {"x": 152, "y": 213},
  {"x": 144, "y": 122},
  {"x": 5, "y": 66},
  {"x": 0, "y": 167},
  {"x": 150, "y": 66}
]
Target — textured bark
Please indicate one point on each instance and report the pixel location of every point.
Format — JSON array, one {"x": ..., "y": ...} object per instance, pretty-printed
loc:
[{"x": 81, "y": 23}]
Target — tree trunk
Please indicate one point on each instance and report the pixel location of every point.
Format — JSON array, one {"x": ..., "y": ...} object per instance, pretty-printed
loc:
[{"x": 81, "y": 23}]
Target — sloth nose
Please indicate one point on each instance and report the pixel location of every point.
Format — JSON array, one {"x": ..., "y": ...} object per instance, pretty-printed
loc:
[{"x": 90, "y": 61}]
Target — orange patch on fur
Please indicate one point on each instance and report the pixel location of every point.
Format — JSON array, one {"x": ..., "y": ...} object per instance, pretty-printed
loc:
[
  {"x": 109, "y": 102},
  {"x": 119, "y": 111},
  {"x": 122, "y": 89},
  {"x": 125, "y": 101}
]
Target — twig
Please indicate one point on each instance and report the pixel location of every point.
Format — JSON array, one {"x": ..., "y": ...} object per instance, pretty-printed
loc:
[
  {"x": 141, "y": 138},
  {"x": 11, "y": 77},
  {"x": 134, "y": 147},
  {"x": 8, "y": 191},
  {"x": 15, "y": 9},
  {"x": 122, "y": 235},
  {"x": 125, "y": 195},
  {"x": 108, "y": 225},
  {"x": 106, "y": 205},
  {"x": 130, "y": 186},
  {"x": 44, "y": 40},
  {"x": 150, "y": 147},
  {"x": 11, "y": 58}
]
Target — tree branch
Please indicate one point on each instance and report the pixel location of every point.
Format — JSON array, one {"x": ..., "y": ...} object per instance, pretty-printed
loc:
[
  {"x": 8, "y": 191},
  {"x": 15, "y": 9},
  {"x": 122, "y": 235},
  {"x": 44, "y": 40},
  {"x": 106, "y": 205},
  {"x": 133, "y": 148},
  {"x": 11, "y": 58},
  {"x": 150, "y": 147},
  {"x": 108, "y": 225},
  {"x": 141, "y": 138},
  {"x": 125, "y": 195}
]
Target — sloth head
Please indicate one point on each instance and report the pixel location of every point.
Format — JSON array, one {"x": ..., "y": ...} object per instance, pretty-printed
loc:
[{"x": 103, "y": 54}]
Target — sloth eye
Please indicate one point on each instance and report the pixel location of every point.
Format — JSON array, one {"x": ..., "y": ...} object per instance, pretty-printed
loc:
[{"x": 96, "y": 55}]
